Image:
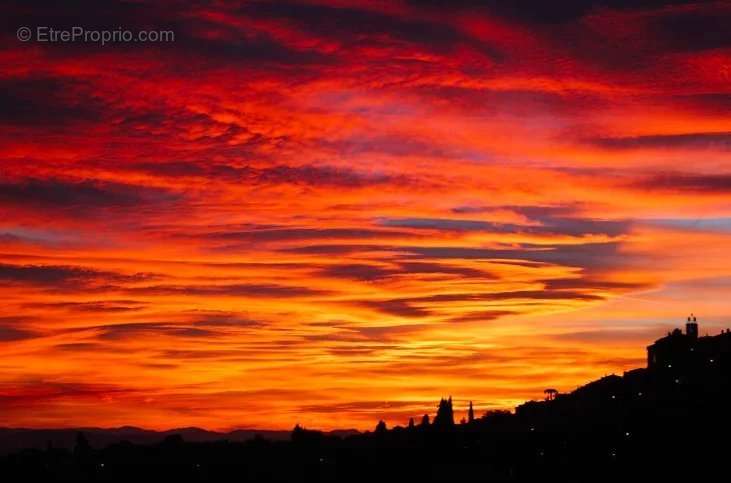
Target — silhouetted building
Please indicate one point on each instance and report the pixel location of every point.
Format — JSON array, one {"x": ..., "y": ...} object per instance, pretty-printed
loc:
[
  {"x": 691, "y": 327},
  {"x": 470, "y": 414},
  {"x": 682, "y": 352}
]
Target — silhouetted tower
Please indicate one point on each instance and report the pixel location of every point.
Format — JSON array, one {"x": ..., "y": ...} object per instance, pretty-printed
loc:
[
  {"x": 470, "y": 414},
  {"x": 445, "y": 414},
  {"x": 691, "y": 327}
]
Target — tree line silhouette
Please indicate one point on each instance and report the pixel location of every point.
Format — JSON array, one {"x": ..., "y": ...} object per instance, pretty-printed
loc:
[{"x": 667, "y": 422}]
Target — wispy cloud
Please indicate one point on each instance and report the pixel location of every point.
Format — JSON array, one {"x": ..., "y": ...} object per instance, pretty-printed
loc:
[{"x": 304, "y": 208}]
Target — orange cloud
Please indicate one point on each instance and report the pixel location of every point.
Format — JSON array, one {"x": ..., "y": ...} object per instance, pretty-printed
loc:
[{"x": 332, "y": 213}]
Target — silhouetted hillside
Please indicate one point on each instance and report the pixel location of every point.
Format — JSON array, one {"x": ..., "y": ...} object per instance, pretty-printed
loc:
[
  {"x": 666, "y": 422},
  {"x": 14, "y": 439}
]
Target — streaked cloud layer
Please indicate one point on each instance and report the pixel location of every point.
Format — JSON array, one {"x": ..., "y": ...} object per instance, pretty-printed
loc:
[{"x": 330, "y": 212}]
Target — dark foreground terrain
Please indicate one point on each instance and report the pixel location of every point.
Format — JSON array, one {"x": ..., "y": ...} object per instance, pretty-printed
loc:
[{"x": 667, "y": 422}]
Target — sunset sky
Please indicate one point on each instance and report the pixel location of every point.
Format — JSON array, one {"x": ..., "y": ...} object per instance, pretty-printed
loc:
[{"x": 330, "y": 212}]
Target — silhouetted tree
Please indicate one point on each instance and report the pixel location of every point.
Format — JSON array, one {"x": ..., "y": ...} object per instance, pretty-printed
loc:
[
  {"x": 381, "y": 427},
  {"x": 82, "y": 448},
  {"x": 445, "y": 414},
  {"x": 550, "y": 394},
  {"x": 411, "y": 423},
  {"x": 425, "y": 420},
  {"x": 298, "y": 433}
]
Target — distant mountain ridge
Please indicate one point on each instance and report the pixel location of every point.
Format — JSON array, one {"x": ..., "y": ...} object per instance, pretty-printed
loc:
[{"x": 14, "y": 439}]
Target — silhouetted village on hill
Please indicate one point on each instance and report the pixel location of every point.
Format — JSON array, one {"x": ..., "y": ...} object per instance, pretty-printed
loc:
[{"x": 666, "y": 422}]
